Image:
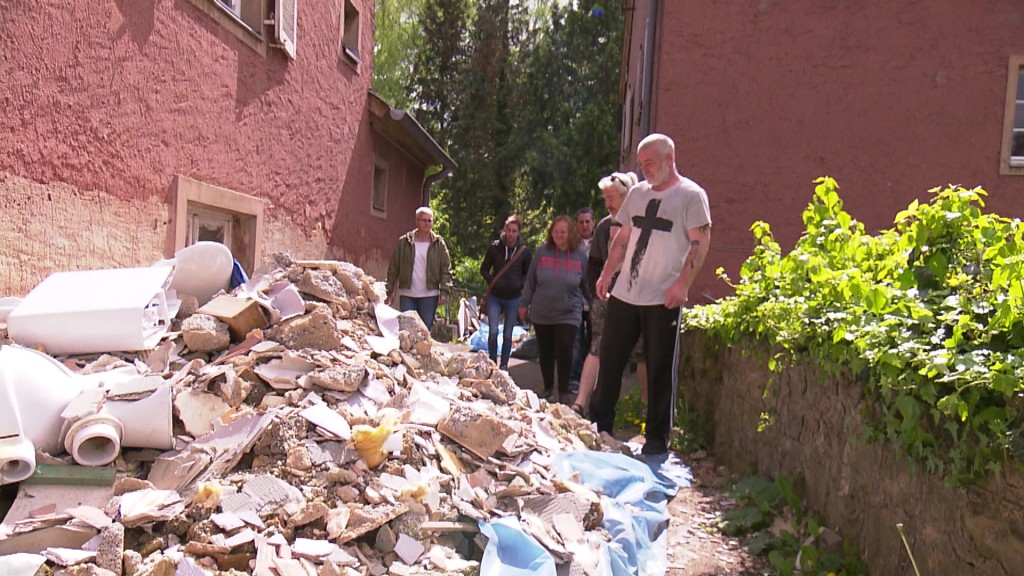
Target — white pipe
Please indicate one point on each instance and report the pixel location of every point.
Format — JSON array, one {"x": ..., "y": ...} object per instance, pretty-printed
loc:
[
  {"x": 97, "y": 439},
  {"x": 17, "y": 460},
  {"x": 94, "y": 440}
]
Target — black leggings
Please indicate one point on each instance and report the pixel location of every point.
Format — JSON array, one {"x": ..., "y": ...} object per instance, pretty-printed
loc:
[{"x": 554, "y": 346}]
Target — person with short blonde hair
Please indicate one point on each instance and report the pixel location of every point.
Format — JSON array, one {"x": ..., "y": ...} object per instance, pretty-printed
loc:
[{"x": 420, "y": 270}]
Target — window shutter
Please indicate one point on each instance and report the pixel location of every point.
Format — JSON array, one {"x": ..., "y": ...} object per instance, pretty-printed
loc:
[{"x": 285, "y": 26}]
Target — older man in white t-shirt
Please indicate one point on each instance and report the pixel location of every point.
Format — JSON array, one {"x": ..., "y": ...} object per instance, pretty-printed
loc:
[{"x": 662, "y": 244}]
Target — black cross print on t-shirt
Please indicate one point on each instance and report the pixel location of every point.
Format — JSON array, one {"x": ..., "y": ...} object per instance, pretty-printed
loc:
[{"x": 647, "y": 224}]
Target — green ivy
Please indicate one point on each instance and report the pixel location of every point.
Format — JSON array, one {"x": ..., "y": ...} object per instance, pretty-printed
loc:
[{"x": 927, "y": 315}]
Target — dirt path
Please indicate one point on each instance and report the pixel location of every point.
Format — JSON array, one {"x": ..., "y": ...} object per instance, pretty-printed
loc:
[{"x": 696, "y": 547}]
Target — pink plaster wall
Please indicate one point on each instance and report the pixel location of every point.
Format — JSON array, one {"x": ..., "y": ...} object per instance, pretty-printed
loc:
[
  {"x": 118, "y": 96},
  {"x": 889, "y": 98}
]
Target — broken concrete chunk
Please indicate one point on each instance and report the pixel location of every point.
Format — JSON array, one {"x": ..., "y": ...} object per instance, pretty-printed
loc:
[
  {"x": 485, "y": 388},
  {"x": 203, "y": 333},
  {"x": 480, "y": 433},
  {"x": 298, "y": 458},
  {"x": 317, "y": 330},
  {"x": 339, "y": 377},
  {"x": 309, "y": 513},
  {"x": 323, "y": 285}
]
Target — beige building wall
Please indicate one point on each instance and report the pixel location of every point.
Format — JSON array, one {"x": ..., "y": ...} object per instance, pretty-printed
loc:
[{"x": 54, "y": 227}]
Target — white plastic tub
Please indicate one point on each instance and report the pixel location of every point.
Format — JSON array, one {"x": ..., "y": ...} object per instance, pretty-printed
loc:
[{"x": 123, "y": 309}]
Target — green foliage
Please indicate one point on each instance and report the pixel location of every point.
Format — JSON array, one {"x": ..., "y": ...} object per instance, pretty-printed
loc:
[
  {"x": 631, "y": 412},
  {"x": 795, "y": 543},
  {"x": 927, "y": 316},
  {"x": 396, "y": 40},
  {"x": 524, "y": 97}
]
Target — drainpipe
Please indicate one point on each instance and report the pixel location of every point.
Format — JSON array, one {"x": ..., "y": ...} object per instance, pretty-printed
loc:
[
  {"x": 445, "y": 172},
  {"x": 645, "y": 94}
]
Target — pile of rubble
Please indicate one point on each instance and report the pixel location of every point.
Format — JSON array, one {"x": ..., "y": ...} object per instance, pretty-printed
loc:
[{"x": 318, "y": 444}]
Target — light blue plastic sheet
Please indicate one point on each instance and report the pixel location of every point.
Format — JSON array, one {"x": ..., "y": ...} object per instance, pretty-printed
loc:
[
  {"x": 478, "y": 341},
  {"x": 635, "y": 498},
  {"x": 635, "y": 504},
  {"x": 512, "y": 552}
]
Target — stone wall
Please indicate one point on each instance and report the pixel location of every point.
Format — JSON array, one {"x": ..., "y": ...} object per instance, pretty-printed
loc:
[{"x": 862, "y": 490}]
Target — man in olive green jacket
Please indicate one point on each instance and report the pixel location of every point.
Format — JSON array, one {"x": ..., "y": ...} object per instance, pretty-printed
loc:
[{"x": 420, "y": 269}]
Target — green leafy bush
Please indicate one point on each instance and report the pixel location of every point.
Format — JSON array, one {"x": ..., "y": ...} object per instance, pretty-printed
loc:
[
  {"x": 795, "y": 544},
  {"x": 926, "y": 315}
]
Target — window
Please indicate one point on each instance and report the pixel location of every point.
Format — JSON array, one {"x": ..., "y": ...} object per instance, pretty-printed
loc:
[
  {"x": 350, "y": 32},
  {"x": 257, "y": 23},
  {"x": 208, "y": 225},
  {"x": 379, "y": 202},
  {"x": 1011, "y": 160},
  {"x": 206, "y": 212}
]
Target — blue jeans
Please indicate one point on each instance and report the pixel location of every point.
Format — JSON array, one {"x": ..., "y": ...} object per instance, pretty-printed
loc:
[
  {"x": 495, "y": 308},
  {"x": 426, "y": 307}
]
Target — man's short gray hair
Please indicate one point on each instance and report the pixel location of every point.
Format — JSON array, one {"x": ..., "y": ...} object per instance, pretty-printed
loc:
[{"x": 661, "y": 141}]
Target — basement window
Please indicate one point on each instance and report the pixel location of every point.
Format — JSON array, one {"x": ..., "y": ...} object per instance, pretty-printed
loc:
[
  {"x": 1011, "y": 160},
  {"x": 203, "y": 212}
]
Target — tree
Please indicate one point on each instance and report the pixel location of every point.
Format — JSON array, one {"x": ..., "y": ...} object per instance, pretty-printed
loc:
[
  {"x": 525, "y": 99},
  {"x": 396, "y": 42}
]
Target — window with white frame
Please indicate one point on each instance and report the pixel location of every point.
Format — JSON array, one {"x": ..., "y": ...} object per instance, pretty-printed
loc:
[
  {"x": 379, "y": 201},
  {"x": 350, "y": 31},
  {"x": 258, "y": 23},
  {"x": 1011, "y": 160}
]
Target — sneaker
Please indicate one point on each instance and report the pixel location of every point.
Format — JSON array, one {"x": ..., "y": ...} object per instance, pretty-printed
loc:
[
  {"x": 574, "y": 386},
  {"x": 503, "y": 368},
  {"x": 544, "y": 395},
  {"x": 654, "y": 447}
]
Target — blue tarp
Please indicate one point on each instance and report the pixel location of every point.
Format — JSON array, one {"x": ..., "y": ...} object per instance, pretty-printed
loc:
[
  {"x": 635, "y": 497},
  {"x": 478, "y": 341}
]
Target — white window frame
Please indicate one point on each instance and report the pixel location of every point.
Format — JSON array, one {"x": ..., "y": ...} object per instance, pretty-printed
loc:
[
  {"x": 1013, "y": 118},
  {"x": 250, "y": 21},
  {"x": 200, "y": 216}
]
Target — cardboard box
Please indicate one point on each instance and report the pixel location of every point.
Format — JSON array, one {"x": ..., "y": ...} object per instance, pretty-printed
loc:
[{"x": 240, "y": 314}]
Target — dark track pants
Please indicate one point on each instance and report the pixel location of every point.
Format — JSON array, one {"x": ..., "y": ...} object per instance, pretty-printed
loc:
[{"x": 624, "y": 324}]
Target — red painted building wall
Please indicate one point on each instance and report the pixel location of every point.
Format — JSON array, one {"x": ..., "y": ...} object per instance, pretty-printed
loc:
[
  {"x": 889, "y": 98},
  {"x": 112, "y": 99}
]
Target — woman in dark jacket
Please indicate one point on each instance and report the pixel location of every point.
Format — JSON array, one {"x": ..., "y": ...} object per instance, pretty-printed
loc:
[{"x": 504, "y": 295}]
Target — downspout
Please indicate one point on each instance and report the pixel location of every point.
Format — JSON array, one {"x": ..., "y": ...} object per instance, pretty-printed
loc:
[
  {"x": 445, "y": 172},
  {"x": 645, "y": 93}
]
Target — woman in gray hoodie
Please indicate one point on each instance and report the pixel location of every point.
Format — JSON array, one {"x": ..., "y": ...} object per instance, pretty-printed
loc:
[{"x": 553, "y": 299}]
